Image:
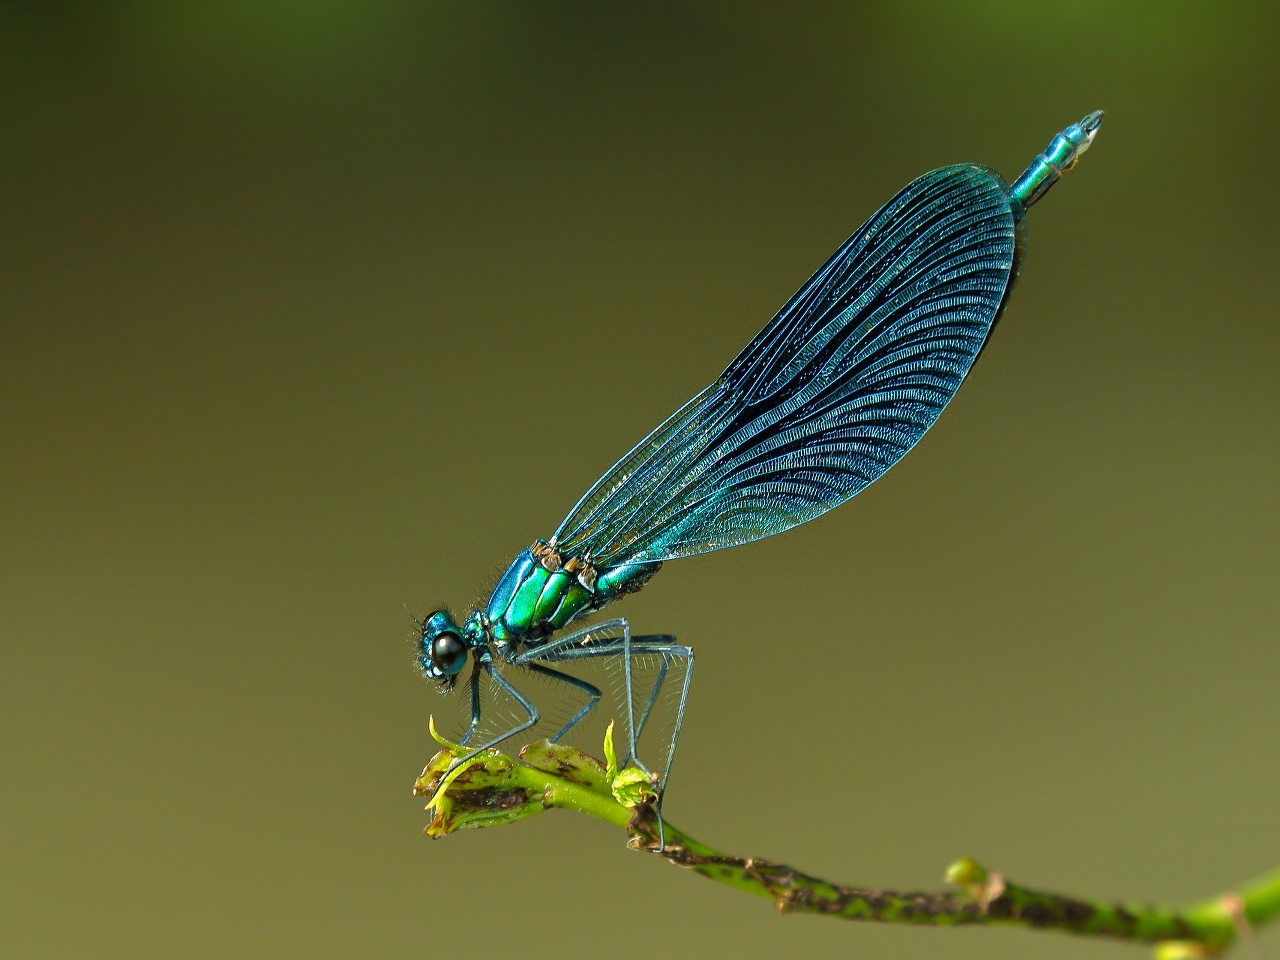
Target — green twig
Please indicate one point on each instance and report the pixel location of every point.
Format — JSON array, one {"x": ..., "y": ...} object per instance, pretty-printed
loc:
[{"x": 494, "y": 789}]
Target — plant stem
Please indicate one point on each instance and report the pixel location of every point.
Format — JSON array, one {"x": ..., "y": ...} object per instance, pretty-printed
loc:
[{"x": 494, "y": 789}]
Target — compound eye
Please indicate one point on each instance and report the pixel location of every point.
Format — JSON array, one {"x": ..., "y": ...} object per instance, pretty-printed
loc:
[{"x": 449, "y": 653}]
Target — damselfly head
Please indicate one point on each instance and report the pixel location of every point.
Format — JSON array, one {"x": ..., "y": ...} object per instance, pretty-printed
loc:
[{"x": 444, "y": 652}]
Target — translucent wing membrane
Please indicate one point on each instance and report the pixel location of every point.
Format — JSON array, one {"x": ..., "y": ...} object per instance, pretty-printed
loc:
[{"x": 833, "y": 392}]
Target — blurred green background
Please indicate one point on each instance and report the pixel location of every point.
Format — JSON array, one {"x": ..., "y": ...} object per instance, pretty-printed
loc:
[{"x": 312, "y": 311}]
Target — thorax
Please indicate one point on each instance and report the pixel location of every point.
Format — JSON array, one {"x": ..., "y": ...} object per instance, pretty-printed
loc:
[{"x": 544, "y": 590}]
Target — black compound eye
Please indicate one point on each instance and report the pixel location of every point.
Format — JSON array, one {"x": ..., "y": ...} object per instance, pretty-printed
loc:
[{"x": 448, "y": 653}]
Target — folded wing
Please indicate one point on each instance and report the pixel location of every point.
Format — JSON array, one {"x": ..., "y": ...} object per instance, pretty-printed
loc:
[{"x": 835, "y": 390}]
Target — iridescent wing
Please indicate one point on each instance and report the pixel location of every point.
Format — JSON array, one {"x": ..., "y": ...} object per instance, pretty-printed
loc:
[{"x": 835, "y": 390}]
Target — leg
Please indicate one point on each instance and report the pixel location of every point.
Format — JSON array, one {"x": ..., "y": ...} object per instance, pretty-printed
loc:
[
  {"x": 668, "y": 649},
  {"x": 590, "y": 689},
  {"x": 653, "y": 694},
  {"x": 666, "y": 646},
  {"x": 474, "y": 684},
  {"x": 570, "y": 647},
  {"x": 526, "y": 660},
  {"x": 602, "y": 641},
  {"x": 519, "y": 728},
  {"x": 629, "y": 648}
]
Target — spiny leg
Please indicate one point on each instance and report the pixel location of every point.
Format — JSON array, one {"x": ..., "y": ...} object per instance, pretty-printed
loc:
[
  {"x": 545, "y": 651},
  {"x": 520, "y": 698},
  {"x": 473, "y": 683},
  {"x": 653, "y": 693},
  {"x": 593, "y": 694},
  {"x": 593, "y": 698},
  {"x": 582, "y": 647},
  {"x": 586, "y": 638},
  {"x": 595, "y": 642},
  {"x": 552, "y": 651},
  {"x": 650, "y": 643},
  {"x": 570, "y": 646},
  {"x": 668, "y": 649},
  {"x": 631, "y": 648}
]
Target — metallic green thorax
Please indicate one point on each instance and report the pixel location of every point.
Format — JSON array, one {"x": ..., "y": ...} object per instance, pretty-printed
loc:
[{"x": 542, "y": 591}]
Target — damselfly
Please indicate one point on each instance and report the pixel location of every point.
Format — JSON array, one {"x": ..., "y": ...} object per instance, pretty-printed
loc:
[{"x": 835, "y": 390}]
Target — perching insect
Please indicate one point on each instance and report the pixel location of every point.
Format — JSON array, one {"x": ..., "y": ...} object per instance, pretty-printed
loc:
[{"x": 834, "y": 391}]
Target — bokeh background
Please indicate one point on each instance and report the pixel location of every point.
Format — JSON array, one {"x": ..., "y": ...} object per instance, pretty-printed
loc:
[{"x": 312, "y": 312}]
